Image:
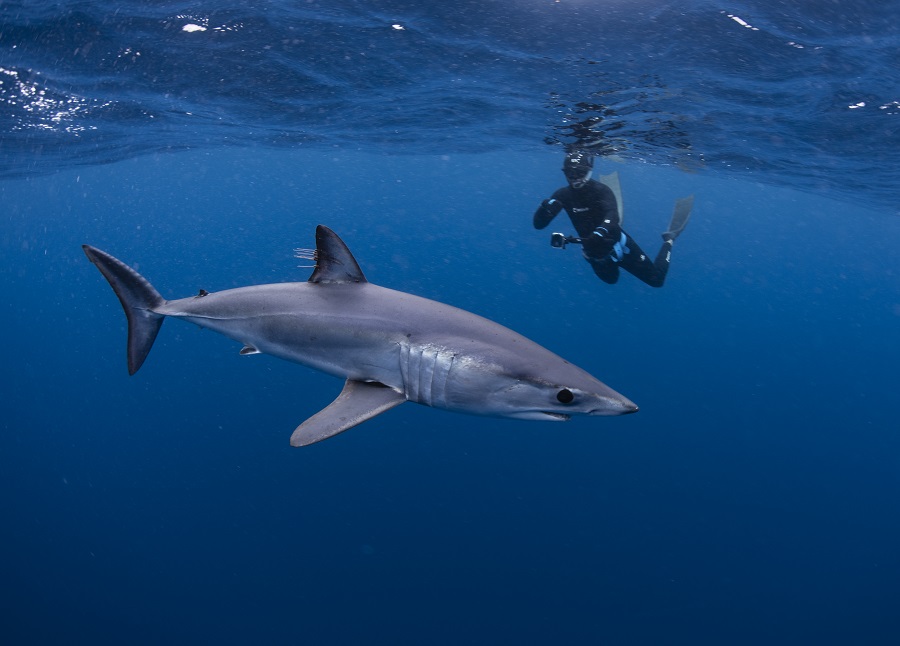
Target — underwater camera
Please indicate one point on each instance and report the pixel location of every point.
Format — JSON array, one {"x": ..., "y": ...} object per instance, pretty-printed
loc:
[{"x": 560, "y": 240}]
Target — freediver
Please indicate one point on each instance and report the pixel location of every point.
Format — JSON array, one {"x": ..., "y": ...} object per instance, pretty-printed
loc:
[{"x": 594, "y": 209}]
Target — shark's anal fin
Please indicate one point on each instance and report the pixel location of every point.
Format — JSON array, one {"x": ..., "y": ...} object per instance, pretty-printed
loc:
[
  {"x": 358, "y": 401},
  {"x": 249, "y": 349}
]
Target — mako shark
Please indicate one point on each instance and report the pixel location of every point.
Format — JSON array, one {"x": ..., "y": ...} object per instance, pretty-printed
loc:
[{"x": 390, "y": 346}]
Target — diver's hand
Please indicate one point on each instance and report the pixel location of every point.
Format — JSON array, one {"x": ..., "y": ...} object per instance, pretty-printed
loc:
[
  {"x": 546, "y": 212},
  {"x": 599, "y": 243}
]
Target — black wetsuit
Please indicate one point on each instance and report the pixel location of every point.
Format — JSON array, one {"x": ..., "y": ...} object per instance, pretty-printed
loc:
[{"x": 595, "y": 215}]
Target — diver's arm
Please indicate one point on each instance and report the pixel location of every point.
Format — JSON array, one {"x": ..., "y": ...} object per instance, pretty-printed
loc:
[{"x": 546, "y": 212}]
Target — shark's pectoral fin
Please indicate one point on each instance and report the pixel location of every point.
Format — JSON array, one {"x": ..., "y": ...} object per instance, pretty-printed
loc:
[{"x": 358, "y": 401}]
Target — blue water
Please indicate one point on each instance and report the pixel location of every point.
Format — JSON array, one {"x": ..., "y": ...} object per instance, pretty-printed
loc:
[
  {"x": 752, "y": 500},
  {"x": 803, "y": 94}
]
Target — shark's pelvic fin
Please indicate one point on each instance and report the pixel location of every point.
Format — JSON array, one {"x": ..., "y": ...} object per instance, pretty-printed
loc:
[
  {"x": 138, "y": 298},
  {"x": 334, "y": 262},
  {"x": 358, "y": 401},
  {"x": 249, "y": 349}
]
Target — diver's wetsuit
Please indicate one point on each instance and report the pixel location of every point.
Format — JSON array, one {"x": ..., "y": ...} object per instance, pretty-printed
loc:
[{"x": 595, "y": 216}]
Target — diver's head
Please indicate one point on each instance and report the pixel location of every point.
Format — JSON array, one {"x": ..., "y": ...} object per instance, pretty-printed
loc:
[{"x": 577, "y": 168}]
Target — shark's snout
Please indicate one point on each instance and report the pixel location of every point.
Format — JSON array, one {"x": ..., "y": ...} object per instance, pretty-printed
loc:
[{"x": 618, "y": 406}]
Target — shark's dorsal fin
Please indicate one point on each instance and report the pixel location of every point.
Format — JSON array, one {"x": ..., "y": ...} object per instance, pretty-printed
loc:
[{"x": 334, "y": 262}]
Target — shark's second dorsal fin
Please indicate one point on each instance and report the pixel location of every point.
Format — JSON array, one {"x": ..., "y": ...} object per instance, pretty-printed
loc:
[{"x": 334, "y": 262}]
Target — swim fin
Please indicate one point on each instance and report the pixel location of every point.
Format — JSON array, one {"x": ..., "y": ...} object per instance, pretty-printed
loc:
[
  {"x": 612, "y": 181},
  {"x": 680, "y": 217}
]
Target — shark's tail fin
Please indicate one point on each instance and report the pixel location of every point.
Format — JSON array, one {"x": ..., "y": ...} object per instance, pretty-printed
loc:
[{"x": 138, "y": 298}]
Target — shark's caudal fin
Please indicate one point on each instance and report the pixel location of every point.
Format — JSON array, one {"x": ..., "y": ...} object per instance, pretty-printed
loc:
[
  {"x": 138, "y": 298},
  {"x": 334, "y": 262}
]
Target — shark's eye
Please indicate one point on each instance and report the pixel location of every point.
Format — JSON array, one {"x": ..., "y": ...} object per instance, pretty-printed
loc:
[{"x": 565, "y": 396}]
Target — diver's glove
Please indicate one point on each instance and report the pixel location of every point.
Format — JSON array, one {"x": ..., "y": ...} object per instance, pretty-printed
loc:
[
  {"x": 599, "y": 243},
  {"x": 546, "y": 212}
]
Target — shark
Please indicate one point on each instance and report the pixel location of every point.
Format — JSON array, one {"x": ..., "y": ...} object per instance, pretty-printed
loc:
[{"x": 389, "y": 346}]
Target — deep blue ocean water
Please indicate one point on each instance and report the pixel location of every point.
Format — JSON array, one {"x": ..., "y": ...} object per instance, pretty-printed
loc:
[{"x": 754, "y": 499}]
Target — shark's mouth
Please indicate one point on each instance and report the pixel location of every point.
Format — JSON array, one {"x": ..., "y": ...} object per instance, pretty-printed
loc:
[
  {"x": 540, "y": 415},
  {"x": 556, "y": 417}
]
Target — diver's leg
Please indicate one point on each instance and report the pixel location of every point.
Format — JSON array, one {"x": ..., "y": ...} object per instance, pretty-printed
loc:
[
  {"x": 606, "y": 269},
  {"x": 637, "y": 263}
]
